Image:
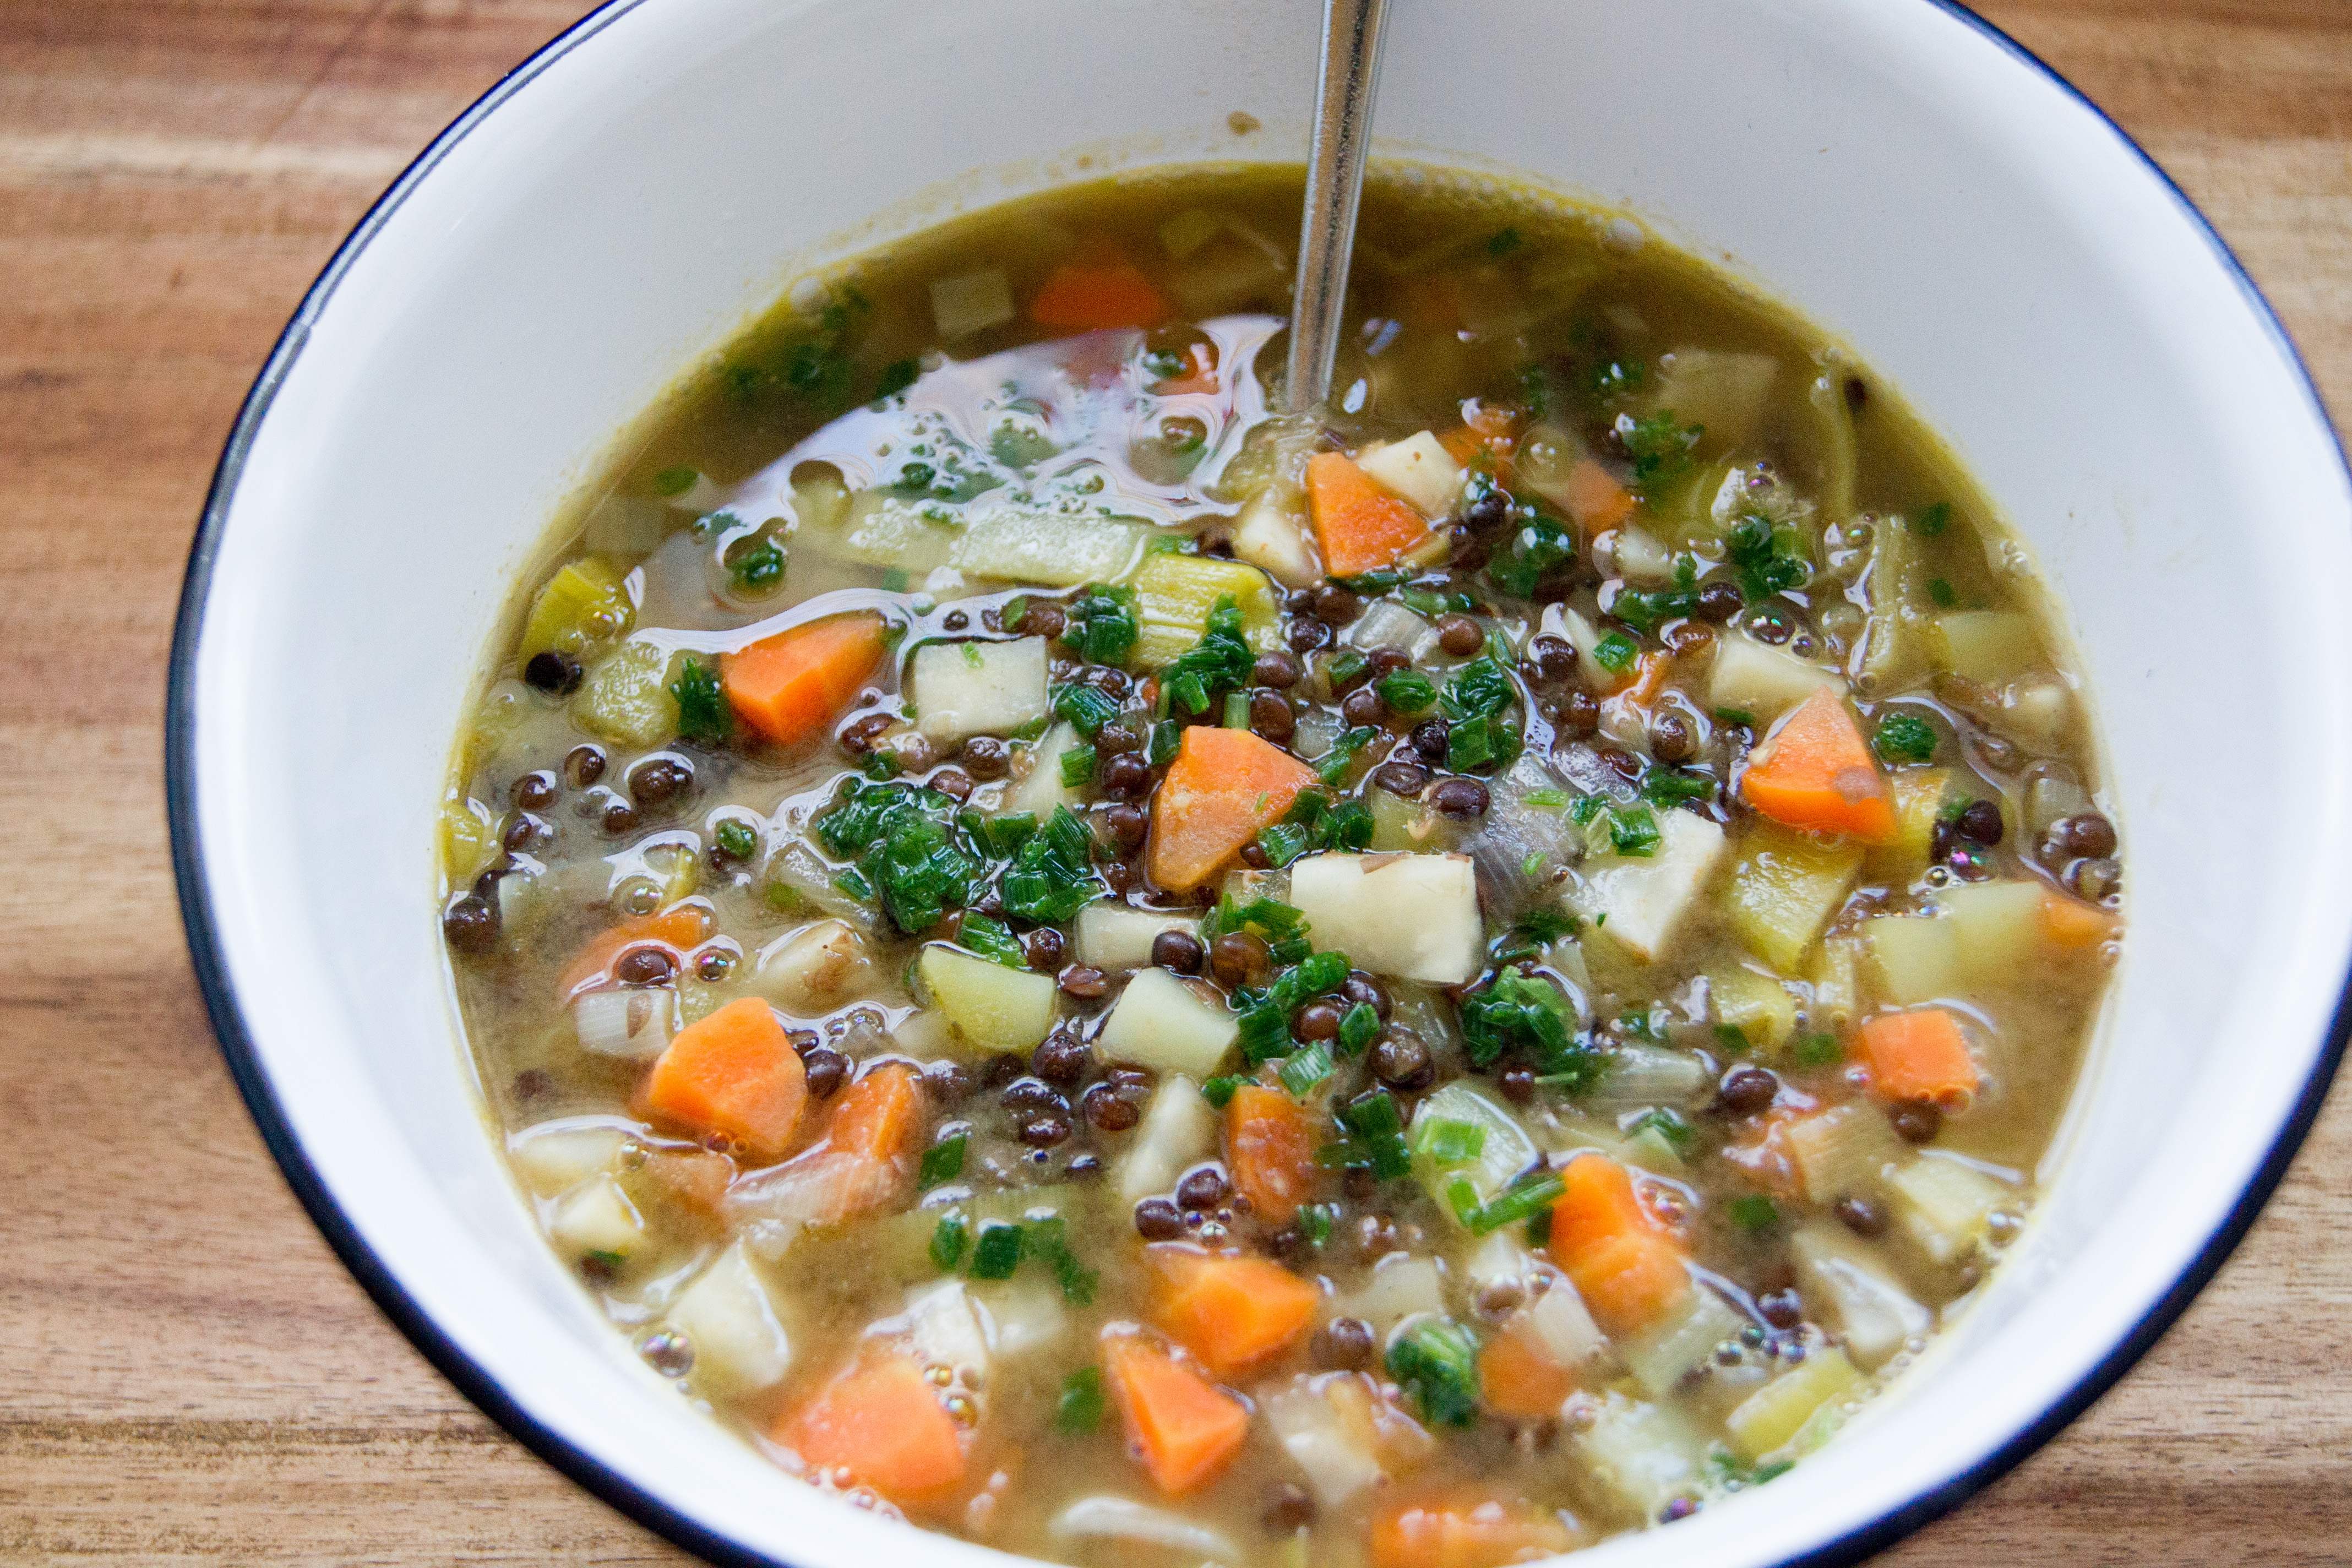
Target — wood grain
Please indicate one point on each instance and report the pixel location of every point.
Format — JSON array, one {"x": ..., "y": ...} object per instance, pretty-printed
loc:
[{"x": 185, "y": 1373}]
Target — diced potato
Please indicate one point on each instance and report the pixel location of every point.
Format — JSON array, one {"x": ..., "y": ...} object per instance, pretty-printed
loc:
[
  {"x": 1271, "y": 535},
  {"x": 1419, "y": 470},
  {"x": 597, "y": 1218},
  {"x": 1913, "y": 958},
  {"x": 1784, "y": 888},
  {"x": 1716, "y": 389},
  {"x": 1844, "y": 1152},
  {"x": 585, "y": 604},
  {"x": 1991, "y": 647},
  {"x": 1757, "y": 1004},
  {"x": 1996, "y": 926},
  {"x": 1179, "y": 1129},
  {"x": 1641, "y": 1456},
  {"x": 2036, "y": 713},
  {"x": 1753, "y": 678},
  {"x": 979, "y": 687},
  {"x": 1769, "y": 1419},
  {"x": 814, "y": 969},
  {"x": 1643, "y": 901},
  {"x": 557, "y": 1155},
  {"x": 1504, "y": 1155},
  {"x": 989, "y": 1008},
  {"x": 730, "y": 1318},
  {"x": 1412, "y": 916},
  {"x": 1021, "y": 1315},
  {"x": 971, "y": 301},
  {"x": 1112, "y": 937},
  {"x": 1659, "y": 1358},
  {"x": 1944, "y": 1206},
  {"x": 1919, "y": 797},
  {"x": 943, "y": 1328},
  {"x": 1163, "y": 1024},
  {"x": 626, "y": 699},
  {"x": 1174, "y": 594},
  {"x": 1844, "y": 1284}
]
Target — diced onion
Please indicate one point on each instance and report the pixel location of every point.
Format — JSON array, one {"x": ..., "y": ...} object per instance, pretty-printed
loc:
[
  {"x": 1107, "y": 1516},
  {"x": 631, "y": 1024}
]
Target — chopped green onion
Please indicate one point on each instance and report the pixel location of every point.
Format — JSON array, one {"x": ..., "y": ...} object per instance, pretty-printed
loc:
[
  {"x": 1526, "y": 1199},
  {"x": 1443, "y": 1141},
  {"x": 942, "y": 1162},
  {"x": 1615, "y": 653},
  {"x": 997, "y": 1253},
  {"x": 947, "y": 1241},
  {"x": 1078, "y": 767},
  {"x": 1753, "y": 1212},
  {"x": 1358, "y": 1028},
  {"x": 1080, "y": 1408}
]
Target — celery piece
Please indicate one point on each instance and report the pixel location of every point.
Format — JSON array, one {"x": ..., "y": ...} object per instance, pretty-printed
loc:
[
  {"x": 993, "y": 1009},
  {"x": 1784, "y": 888},
  {"x": 626, "y": 699},
  {"x": 1173, "y": 597},
  {"x": 1771, "y": 1419},
  {"x": 585, "y": 603},
  {"x": 1920, "y": 796},
  {"x": 1755, "y": 1004},
  {"x": 1505, "y": 1149}
]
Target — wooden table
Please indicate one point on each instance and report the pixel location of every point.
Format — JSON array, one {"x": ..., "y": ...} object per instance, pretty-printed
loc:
[{"x": 186, "y": 1371}]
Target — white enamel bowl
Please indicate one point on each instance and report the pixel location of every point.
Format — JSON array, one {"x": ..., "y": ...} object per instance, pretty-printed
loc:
[{"x": 1892, "y": 168}]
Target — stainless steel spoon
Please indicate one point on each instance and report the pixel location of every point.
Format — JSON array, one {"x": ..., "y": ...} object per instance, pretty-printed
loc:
[{"x": 1335, "y": 186}]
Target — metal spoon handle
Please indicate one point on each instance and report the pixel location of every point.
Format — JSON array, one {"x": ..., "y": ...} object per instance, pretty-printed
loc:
[{"x": 1335, "y": 186}]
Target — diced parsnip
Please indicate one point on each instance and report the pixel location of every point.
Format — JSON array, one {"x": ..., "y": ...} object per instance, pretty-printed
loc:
[
  {"x": 625, "y": 699},
  {"x": 556, "y": 1155},
  {"x": 1106, "y": 1516},
  {"x": 1335, "y": 1452},
  {"x": 1920, "y": 796},
  {"x": 1844, "y": 1152},
  {"x": 989, "y": 1008},
  {"x": 1660, "y": 1357},
  {"x": 1644, "y": 900},
  {"x": 1991, "y": 647},
  {"x": 1417, "y": 469},
  {"x": 1757, "y": 1004},
  {"x": 728, "y": 1316},
  {"x": 979, "y": 687},
  {"x": 1053, "y": 549},
  {"x": 1769, "y": 1419},
  {"x": 971, "y": 301},
  {"x": 1835, "y": 982},
  {"x": 1179, "y": 1129},
  {"x": 1402, "y": 1285},
  {"x": 1504, "y": 1151},
  {"x": 1724, "y": 392},
  {"x": 1160, "y": 1023},
  {"x": 1175, "y": 594},
  {"x": 1844, "y": 1284},
  {"x": 1411, "y": 916},
  {"x": 1650, "y": 1075},
  {"x": 1562, "y": 1325},
  {"x": 1997, "y": 927},
  {"x": 1641, "y": 1456},
  {"x": 585, "y": 603},
  {"x": 1040, "y": 789},
  {"x": 1913, "y": 958},
  {"x": 1112, "y": 937},
  {"x": 597, "y": 1217},
  {"x": 1271, "y": 534},
  {"x": 1784, "y": 888},
  {"x": 1753, "y": 678},
  {"x": 1945, "y": 1206},
  {"x": 814, "y": 969}
]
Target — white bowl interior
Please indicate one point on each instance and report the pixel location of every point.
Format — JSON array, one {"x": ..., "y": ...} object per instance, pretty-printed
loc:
[{"x": 1893, "y": 172}]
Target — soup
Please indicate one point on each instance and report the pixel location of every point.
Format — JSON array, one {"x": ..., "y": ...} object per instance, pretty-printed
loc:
[{"x": 1107, "y": 970}]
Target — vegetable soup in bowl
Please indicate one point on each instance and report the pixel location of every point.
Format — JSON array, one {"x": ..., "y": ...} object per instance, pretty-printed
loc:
[{"x": 1076, "y": 963}]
